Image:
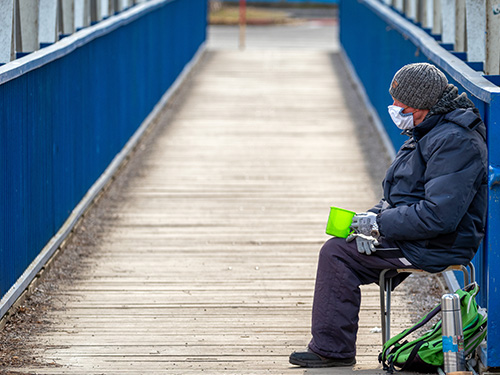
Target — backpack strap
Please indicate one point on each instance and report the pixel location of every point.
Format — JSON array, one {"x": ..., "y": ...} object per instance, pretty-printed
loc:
[
  {"x": 392, "y": 345},
  {"x": 431, "y": 314},
  {"x": 391, "y": 369},
  {"x": 413, "y": 354},
  {"x": 415, "y": 345}
]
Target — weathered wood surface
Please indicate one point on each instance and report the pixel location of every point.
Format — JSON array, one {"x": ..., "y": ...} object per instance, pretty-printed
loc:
[{"x": 208, "y": 263}]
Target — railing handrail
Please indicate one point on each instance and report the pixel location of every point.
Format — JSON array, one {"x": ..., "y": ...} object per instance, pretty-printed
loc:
[{"x": 65, "y": 46}]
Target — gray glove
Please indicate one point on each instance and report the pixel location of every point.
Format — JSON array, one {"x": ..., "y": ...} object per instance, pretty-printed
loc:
[
  {"x": 365, "y": 244},
  {"x": 365, "y": 223}
]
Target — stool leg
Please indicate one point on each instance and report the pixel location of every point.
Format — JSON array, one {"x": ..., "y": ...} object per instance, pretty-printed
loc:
[
  {"x": 381, "y": 284},
  {"x": 467, "y": 277},
  {"x": 472, "y": 273},
  {"x": 388, "y": 285}
]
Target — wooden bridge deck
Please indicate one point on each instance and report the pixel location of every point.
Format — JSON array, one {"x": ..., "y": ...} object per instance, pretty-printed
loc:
[{"x": 206, "y": 260}]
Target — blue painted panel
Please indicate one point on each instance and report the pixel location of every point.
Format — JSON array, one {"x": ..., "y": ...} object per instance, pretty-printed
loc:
[
  {"x": 63, "y": 122},
  {"x": 492, "y": 254}
]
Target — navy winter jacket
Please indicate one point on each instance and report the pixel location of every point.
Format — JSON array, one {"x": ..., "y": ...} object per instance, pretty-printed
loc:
[{"x": 435, "y": 191}]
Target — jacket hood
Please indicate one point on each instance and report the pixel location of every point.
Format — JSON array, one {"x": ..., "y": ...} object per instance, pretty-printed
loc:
[{"x": 469, "y": 119}]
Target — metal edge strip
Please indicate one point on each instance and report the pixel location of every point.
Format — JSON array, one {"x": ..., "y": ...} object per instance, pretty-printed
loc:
[
  {"x": 70, "y": 43},
  {"x": 471, "y": 80},
  {"x": 29, "y": 274},
  {"x": 368, "y": 105}
]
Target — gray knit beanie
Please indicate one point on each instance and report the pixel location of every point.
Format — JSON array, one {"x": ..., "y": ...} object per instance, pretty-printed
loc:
[{"x": 418, "y": 85}]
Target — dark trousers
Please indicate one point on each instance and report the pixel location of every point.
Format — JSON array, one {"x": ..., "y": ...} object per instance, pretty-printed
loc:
[{"x": 337, "y": 298}]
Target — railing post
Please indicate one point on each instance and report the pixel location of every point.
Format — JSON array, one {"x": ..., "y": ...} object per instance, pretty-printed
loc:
[
  {"x": 460, "y": 41},
  {"x": 82, "y": 13},
  {"x": 17, "y": 41},
  {"x": 428, "y": 22},
  {"x": 407, "y": 8},
  {"x": 48, "y": 30},
  {"x": 411, "y": 9},
  {"x": 421, "y": 12},
  {"x": 242, "y": 24},
  {"x": 111, "y": 7},
  {"x": 28, "y": 16},
  {"x": 448, "y": 21},
  {"x": 67, "y": 16},
  {"x": 114, "y": 5},
  {"x": 492, "y": 63},
  {"x": 399, "y": 5},
  {"x": 104, "y": 9},
  {"x": 6, "y": 28},
  {"x": 476, "y": 27},
  {"x": 95, "y": 11},
  {"x": 124, "y": 4},
  {"x": 437, "y": 25},
  {"x": 118, "y": 6}
]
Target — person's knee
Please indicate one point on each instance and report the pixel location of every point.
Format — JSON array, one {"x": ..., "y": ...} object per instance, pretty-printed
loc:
[{"x": 333, "y": 248}]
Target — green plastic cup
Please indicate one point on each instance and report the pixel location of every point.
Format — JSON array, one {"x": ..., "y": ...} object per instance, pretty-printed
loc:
[{"x": 339, "y": 222}]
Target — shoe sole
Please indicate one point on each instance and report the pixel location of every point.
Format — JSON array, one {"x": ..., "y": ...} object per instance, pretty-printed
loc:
[{"x": 316, "y": 364}]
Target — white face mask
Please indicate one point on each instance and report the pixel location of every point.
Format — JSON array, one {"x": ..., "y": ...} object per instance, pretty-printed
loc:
[{"x": 404, "y": 121}]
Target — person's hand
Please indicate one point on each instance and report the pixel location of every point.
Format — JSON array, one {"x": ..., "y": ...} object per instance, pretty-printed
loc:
[
  {"x": 365, "y": 244},
  {"x": 365, "y": 223}
]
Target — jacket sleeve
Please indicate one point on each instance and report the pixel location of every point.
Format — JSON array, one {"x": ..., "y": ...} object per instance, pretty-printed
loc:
[
  {"x": 378, "y": 207},
  {"x": 454, "y": 172}
]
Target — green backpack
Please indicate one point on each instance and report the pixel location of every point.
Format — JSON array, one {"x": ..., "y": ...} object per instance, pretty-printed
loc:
[{"x": 425, "y": 354}]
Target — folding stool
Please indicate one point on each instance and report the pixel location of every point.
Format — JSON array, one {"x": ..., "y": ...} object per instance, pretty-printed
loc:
[{"x": 385, "y": 285}]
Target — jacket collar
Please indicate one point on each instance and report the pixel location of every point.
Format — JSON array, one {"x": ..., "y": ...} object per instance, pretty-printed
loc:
[
  {"x": 467, "y": 118},
  {"x": 425, "y": 126}
]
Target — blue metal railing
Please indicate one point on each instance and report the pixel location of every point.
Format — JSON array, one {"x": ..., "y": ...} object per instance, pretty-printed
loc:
[
  {"x": 377, "y": 41},
  {"x": 68, "y": 109}
]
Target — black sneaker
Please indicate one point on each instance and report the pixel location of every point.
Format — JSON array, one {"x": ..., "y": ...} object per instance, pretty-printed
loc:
[{"x": 313, "y": 360}]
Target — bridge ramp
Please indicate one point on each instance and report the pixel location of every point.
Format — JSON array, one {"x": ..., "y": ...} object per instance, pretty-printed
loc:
[{"x": 203, "y": 254}]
